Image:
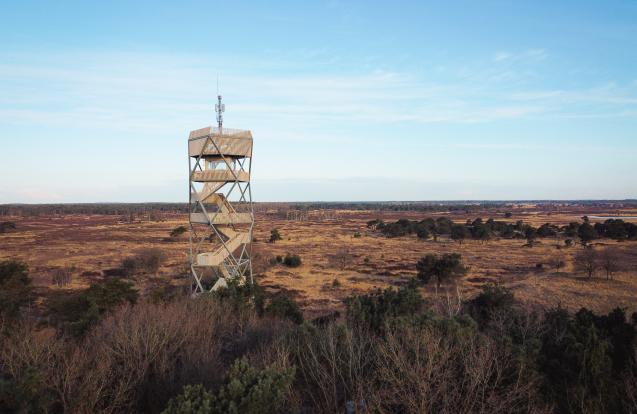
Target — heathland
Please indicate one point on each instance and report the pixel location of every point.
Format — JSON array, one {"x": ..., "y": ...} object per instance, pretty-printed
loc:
[
  {"x": 391, "y": 307},
  {"x": 340, "y": 254}
]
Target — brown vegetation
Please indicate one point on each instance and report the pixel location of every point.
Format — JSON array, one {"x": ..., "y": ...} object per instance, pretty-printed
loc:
[
  {"x": 135, "y": 358},
  {"x": 237, "y": 351},
  {"x": 96, "y": 246}
]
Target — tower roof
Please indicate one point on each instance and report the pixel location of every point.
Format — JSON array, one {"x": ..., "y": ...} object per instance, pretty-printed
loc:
[{"x": 215, "y": 131}]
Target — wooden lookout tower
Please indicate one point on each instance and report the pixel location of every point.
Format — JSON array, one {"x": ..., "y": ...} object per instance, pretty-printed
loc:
[{"x": 221, "y": 217}]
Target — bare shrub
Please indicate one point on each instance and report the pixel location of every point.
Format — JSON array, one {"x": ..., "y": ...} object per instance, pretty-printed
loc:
[
  {"x": 140, "y": 356},
  {"x": 274, "y": 353},
  {"x": 341, "y": 259},
  {"x": 557, "y": 262},
  {"x": 525, "y": 322},
  {"x": 334, "y": 365},
  {"x": 425, "y": 371},
  {"x": 28, "y": 359},
  {"x": 261, "y": 262},
  {"x": 129, "y": 266},
  {"x": 610, "y": 261},
  {"x": 587, "y": 260},
  {"x": 61, "y": 277},
  {"x": 451, "y": 304},
  {"x": 146, "y": 261},
  {"x": 151, "y": 259}
]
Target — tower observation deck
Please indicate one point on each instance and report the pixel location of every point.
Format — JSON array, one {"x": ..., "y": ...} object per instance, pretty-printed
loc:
[{"x": 221, "y": 218}]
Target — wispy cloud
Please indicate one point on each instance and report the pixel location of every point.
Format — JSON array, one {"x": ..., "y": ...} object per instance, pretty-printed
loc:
[
  {"x": 165, "y": 92},
  {"x": 530, "y": 55},
  {"x": 500, "y": 56}
]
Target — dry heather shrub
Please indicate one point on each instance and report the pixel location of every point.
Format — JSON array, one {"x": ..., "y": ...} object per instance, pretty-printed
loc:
[{"x": 425, "y": 371}]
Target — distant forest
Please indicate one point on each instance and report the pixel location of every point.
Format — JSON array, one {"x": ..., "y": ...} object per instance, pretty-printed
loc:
[
  {"x": 116, "y": 209},
  {"x": 425, "y": 206}
]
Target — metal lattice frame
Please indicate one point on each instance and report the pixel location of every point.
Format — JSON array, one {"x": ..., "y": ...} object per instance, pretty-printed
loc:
[{"x": 221, "y": 216}]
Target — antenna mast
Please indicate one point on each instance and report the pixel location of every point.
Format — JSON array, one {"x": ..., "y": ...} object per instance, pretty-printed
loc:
[{"x": 220, "y": 108}]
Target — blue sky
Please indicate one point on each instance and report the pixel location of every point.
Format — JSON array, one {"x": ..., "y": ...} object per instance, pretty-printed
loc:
[{"x": 346, "y": 100}]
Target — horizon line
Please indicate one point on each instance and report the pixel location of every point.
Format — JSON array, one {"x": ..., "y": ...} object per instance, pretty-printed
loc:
[{"x": 450, "y": 201}]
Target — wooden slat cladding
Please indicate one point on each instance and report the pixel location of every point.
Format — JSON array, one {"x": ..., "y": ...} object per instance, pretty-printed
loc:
[{"x": 220, "y": 176}]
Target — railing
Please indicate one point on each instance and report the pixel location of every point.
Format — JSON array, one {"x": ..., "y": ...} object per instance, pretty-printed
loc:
[
  {"x": 220, "y": 175},
  {"x": 237, "y": 145},
  {"x": 219, "y": 218}
]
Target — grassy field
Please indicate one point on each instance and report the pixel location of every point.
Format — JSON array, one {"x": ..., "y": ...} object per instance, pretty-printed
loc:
[{"x": 335, "y": 262}]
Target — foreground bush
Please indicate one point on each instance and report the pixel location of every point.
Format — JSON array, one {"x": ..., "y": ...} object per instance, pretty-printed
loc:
[
  {"x": 335, "y": 365},
  {"x": 371, "y": 311},
  {"x": 492, "y": 302},
  {"x": 194, "y": 399},
  {"x": 146, "y": 261},
  {"x": 134, "y": 360},
  {"x": 275, "y": 235},
  {"x": 423, "y": 369},
  {"x": 178, "y": 231},
  {"x": 5, "y": 226},
  {"x": 29, "y": 358},
  {"x": 392, "y": 354},
  {"x": 76, "y": 312},
  {"x": 142, "y": 355},
  {"x": 584, "y": 358},
  {"x": 424, "y": 365},
  {"x": 292, "y": 260},
  {"x": 15, "y": 288},
  {"x": 442, "y": 269},
  {"x": 283, "y": 307},
  {"x": 246, "y": 390}
]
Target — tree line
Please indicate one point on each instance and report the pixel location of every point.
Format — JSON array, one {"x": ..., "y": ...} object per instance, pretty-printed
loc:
[
  {"x": 486, "y": 230},
  {"x": 430, "y": 206},
  {"x": 34, "y": 210}
]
